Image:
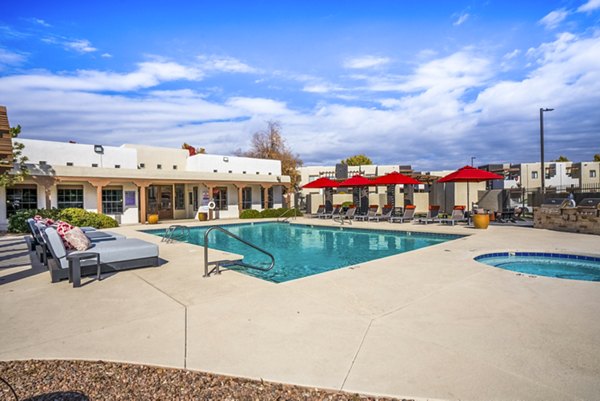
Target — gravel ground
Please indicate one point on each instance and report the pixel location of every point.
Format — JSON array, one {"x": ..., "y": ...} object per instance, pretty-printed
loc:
[{"x": 82, "y": 380}]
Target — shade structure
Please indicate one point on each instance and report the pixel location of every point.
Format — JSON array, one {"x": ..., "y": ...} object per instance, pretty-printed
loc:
[
  {"x": 395, "y": 178},
  {"x": 356, "y": 181},
  {"x": 322, "y": 182},
  {"x": 470, "y": 174}
]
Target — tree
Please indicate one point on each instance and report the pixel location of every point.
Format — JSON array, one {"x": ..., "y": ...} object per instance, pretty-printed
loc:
[
  {"x": 192, "y": 150},
  {"x": 562, "y": 159},
  {"x": 20, "y": 171},
  {"x": 357, "y": 160},
  {"x": 597, "y": 157},
  {"x": 269, "y": 144}
]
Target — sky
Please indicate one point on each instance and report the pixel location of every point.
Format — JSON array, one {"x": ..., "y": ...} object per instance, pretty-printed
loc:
[{"x": 425, "y": 83}]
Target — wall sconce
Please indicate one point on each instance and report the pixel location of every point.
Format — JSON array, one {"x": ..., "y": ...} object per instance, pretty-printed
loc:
[{"x": 99, "y": 149}]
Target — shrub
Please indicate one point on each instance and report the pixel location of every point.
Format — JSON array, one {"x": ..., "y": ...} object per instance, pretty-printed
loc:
[
  {"x": 17, "y": 223},
  {"x": 250, "y": 214},
  {"x": 274, "y": 213},
  {"x": 269, "y": 213}
]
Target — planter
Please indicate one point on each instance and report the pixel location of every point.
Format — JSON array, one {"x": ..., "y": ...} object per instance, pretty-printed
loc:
[
  {"x": 481, "y": 221},
  {"x": 202, "y": 216},
  {"x": 152, "y": 218}
]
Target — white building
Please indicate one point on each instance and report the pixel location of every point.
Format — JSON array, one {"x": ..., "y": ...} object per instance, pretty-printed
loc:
[{"x": 129, "y": 182}]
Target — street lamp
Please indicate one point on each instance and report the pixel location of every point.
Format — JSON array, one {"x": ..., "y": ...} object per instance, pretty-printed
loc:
[
  {"x": 543, "y": 173},
  {"x": 472, "y": 158}
]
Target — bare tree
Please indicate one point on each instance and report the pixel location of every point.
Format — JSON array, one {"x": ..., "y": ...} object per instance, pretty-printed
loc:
[{"x": 269, "y": 144}]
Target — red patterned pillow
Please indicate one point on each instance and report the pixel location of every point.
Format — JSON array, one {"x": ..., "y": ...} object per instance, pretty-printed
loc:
[
  {"x": 62, "y": 228},
  {"x": 77, "y": 239},
  {"x": 47, "y": 222}
]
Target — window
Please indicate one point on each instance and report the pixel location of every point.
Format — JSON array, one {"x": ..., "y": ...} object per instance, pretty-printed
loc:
[
  {"x": 179, "y": 196},
  {"x": 534, "y": 175},
  {"x": 94, "y": 164},
  {"x": 70, "y": 197},
  {"x": 246, "y": 198},
  {"x": 117, "y": 166},
  {"x": 262, "y": 198},
  {"x": 69, "y": 164},
  {"x": 159, "y": 166},
  {"x": 174, "y": 167},
  {"x": 112, "y": 200},
  {"x": 20, "y": 198},
  {"x": 220, "y": 198},
  {"x": 592, "y": 173},
  {"x": 142, "y": 165}
]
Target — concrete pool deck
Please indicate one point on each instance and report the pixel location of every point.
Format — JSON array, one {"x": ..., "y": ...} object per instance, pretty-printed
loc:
[{"x": 427, "y": 324}]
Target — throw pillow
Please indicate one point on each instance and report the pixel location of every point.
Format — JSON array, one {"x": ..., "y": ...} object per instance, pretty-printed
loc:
[
  {"x": 77, "y": 239},
  {"x": 62, "y": 228}
]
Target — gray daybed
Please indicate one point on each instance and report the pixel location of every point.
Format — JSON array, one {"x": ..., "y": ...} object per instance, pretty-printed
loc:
[{"x": 104, "y": 256}]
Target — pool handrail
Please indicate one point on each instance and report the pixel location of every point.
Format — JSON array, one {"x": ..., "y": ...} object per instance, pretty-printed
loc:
[
  {"x": 287, "y": 218},
  {"x": 216, "y": 269}
]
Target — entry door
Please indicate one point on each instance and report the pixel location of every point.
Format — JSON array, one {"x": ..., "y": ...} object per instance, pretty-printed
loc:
[{"x": 165, "y": 205}]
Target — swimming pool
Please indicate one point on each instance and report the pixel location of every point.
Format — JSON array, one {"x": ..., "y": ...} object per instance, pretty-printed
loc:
[
  {"x": 572, "y": 267},
  {"x": 303, "y": 250}
]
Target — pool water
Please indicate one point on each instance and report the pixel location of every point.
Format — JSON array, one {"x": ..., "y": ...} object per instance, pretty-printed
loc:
[
  {"x": 302, "y": 250},
  {"x": 572, "y": 267}
]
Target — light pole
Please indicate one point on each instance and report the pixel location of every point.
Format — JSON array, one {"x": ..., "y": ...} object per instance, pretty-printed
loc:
[
  {"x": 472, "y": 158},
  {"x": 543, "y": 172}
]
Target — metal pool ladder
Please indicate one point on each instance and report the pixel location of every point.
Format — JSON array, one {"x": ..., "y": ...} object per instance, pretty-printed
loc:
[
  {"x": 176, "y": 232},
  {"x": 216, "y": 269}
]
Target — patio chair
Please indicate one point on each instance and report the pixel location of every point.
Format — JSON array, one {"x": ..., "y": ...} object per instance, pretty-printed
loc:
[
  {"x": 105, "y": 256},
  {"x": 350, "y": 212},
  {"x": 409, "y": 214},
  {"x": 334, "y": 213},
  {"x": 372, "y": 212},
  {"x": 432, "y": 215},
  {"x": 458, "y": 216},
  {"x": 386, "y": 214}
]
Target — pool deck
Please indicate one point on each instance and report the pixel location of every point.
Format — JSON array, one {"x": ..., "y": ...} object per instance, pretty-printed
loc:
[{"x": 427, "y": 324}]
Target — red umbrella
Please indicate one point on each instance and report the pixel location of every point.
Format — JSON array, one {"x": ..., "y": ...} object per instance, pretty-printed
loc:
[
  {"x": 322, "y": 182},
  {"x": 356, "y": 181},
  {"x": 470, "y": 174},
  {"x": 395, "y": 178}
]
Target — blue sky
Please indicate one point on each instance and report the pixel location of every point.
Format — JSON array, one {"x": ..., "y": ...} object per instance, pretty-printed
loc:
[{"x": 427, "y": 83}]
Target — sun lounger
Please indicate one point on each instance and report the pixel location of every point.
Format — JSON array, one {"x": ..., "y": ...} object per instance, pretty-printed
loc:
[
  {"x": 432, "y": 215},
  {"x": 349, "y": 214},
  {"x": 320, "y": 211},
  {"x": 409, "y": 214},
  {"x": 334, "y": 213},
  {"x": 105, "y": 256},
  {"x": 386, "y": 214},
  {"x": 372, "y": 212},
  {"x": 458, "y": 216}
]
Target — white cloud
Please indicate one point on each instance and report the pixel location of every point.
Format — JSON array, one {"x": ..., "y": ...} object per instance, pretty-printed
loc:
[
  {"x": 461, "y": 19},
  {"x": 10, "y": 58},
  {"x": 554, "y": 18},
  {"x": 224, "y": 64},
  {"x": 259, "y": 106},
  {"x": 366, "y": 62},
  {"x": 80, "y": 46},
  {"x": 41, "y": 22},
  {"x": 591, "y": 5},
  {"x": 106, "y": 55},
  {"x": 511, "y": 55}
]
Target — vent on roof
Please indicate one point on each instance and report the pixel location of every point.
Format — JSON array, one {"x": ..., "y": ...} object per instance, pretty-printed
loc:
[
  {"x": 215, "y": 171},
  {"x": 70, "y": 164},
  {"x": 174, "y": 167},
  {"x": 243, "y": 172},
  {"x": 159, "y": 166},
  {"x": 230, "y": 171},
  {"x": 94, "y": 164},
  {"x": 117, "y": 166}
]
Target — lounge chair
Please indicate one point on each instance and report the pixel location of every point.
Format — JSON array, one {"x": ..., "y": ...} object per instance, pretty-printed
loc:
[
  {"x": 372, "y": 212},
  {"x": 386, "y": 214},
  {"x": 409, "y": 214},
  {"x": 349, "y": 214},
  {"x": 432, "y": 215},
  {"x": 105, "y": 256},
  {"x": 320, "y": 211},
  {"x": 333, "y": 214},
  {"x": 458, "y": 216}
]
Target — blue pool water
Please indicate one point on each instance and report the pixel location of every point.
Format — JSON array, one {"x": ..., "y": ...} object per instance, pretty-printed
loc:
[
  {"x": 302, "y": 250},
  {"x": 573, "y": 267}
]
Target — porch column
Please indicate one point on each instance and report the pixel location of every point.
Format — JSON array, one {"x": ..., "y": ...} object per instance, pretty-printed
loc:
[
  {"x": 99, "y": 184},
  {"x": 240, "y": 188},
  {"x": 142, "y": 186},
  {"x": 266, "y": 196},
  {"x": 47, "y": 183}
]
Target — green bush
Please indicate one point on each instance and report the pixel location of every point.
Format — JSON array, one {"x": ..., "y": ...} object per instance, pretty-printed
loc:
[
  {"x": 250, "y": 214},
  {"x": 17, "y": 223},
  {"x": 269, "y": 213},
  {"x": 275, "y": 213}
]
